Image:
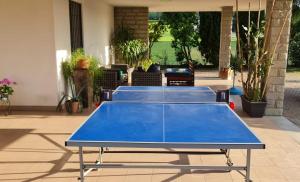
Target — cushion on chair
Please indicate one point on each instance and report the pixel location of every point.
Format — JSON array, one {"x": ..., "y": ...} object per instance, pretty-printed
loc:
[{"x": 181, "y": 72}]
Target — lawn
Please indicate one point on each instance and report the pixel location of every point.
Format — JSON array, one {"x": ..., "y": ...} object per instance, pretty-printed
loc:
[
  {"x": 293, "y": 70},
  {"x": 163, "y": 48}
]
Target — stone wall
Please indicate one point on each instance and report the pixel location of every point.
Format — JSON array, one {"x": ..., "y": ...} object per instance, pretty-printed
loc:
[
  {"x": 275, "y": 92},
  {"x": 135, "y": 18},
  {"x": 225, "y": 37}
]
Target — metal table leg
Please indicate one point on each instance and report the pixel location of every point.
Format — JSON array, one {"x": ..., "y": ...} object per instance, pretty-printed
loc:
[
  {"x": 81, "y": 164},
  {"x": 248, "y": 165}
]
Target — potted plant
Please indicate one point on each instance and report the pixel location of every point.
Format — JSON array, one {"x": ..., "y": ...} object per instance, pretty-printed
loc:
[
  {"x": 68, "y": 67},
  {"x": 72, "y": 99},
  {"x": 77, "y": 60},
  {"x": 6, "y": 91},
  {"x": 259, "y": 57},
  {"x": 145, "y": 64},
  {"x": 132, "y": 51}
]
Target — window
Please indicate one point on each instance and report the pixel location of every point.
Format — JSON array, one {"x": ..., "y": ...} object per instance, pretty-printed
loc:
[{"x": 75, "y": 25}]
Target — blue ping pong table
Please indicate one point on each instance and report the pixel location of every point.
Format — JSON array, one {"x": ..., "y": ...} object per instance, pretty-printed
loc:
[{"x": 164, "y": 117}]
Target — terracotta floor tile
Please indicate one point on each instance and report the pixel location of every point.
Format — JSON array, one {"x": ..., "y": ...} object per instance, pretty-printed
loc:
[{"x": 33, "y": 149}]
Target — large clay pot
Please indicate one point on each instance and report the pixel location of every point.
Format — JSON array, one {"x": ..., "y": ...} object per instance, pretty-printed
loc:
[
  {"x": 253, "y": 109},
  {"x": 82, "y": 64}
]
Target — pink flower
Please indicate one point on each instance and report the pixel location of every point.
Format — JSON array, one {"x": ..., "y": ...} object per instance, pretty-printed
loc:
[{"x": 6, "y": 81}]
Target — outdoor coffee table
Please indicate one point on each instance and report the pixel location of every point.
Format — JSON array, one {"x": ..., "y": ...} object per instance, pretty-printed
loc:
[
  {"x": 164, "y": 117},
  {"x": 179, "y": 76}
]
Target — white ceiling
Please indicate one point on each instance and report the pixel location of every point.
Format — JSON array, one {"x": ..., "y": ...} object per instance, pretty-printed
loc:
[{"x": 187, "y": 5}]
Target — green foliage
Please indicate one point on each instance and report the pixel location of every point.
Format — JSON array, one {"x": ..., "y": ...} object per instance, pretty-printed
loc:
[
  {"x": 145, "y": 64},
  {"x": 254, "y": 85},
  {"x": 183, "y": 27},
  {"x": 67, "y": 70},
  {"x": 163, "y": 57},
  {"x": 133, "y": 51},
  {"x": 234, "y": 64},
  {"x": 156, "y": 31},
  {"x": 243, "y": 22},
  {"x": 254, "y": 51},
  {"x": 97, "y": 77},
  {"x": 6, "y": 90},
  {"x": 209, "y": 31},
  {"x": 294, "y": 50},
  {"x": 68, "y": 67},
  {"x": 293, "y": 59}
]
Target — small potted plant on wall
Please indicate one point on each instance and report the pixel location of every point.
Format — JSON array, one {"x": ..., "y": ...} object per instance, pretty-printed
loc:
[
  {"x": 259, "y": 55},
  {"x": 6, "y": 91}
]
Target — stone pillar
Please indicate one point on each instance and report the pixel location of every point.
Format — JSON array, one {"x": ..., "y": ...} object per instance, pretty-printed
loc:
[
  {"x": 275, "y": 92},
  {"x": 135, "y": 18},
  {"x": 225, "y": 37}
]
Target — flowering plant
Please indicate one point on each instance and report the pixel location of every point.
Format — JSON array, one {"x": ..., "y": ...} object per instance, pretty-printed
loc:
[{"x": 5, "y": 88}]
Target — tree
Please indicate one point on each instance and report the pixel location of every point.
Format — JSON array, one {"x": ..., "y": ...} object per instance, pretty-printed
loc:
[
  {"x": 294, "y": 54},
  {"x": 183, "y": 27},
  {"x": 156, "y": 30},
  {"x": 209, "y": 31}
]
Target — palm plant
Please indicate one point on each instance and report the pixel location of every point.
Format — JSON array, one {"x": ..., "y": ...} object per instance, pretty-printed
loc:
[{"x": 258, "y": 53}]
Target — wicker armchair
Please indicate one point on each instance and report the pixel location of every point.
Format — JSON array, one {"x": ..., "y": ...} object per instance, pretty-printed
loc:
[
  {"x": 123, "y": 68},
  {"x": 146, "y": 78},
  {"x": 107, "y": 80}
]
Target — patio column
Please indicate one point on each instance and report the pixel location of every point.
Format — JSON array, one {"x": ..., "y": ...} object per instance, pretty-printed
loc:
[
  {"x": 276, "y": 82},
  {"x": 225, "y": 37},
  {"x": 134, "y": 18}
]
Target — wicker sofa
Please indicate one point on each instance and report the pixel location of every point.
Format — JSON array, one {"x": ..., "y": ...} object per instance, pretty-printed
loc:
[
  {"x": 146, "y": 78},
  {"x": 107, "y": 80}
]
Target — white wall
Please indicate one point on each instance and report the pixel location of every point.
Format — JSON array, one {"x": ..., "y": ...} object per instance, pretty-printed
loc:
[
  {"x": 98, "y": 21},
  {"x": 35, "y": 38},
  {"x": 62, "y": 39},
  {"x": 27, "y": 51}
]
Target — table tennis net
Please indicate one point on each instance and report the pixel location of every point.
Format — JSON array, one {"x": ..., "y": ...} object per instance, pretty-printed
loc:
[{"x": 165, "y": 96}]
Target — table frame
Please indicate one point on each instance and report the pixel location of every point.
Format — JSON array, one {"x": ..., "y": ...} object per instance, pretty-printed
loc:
[
  {"x": 85, "y": 168},
  {"x": 225, "y": 148}
]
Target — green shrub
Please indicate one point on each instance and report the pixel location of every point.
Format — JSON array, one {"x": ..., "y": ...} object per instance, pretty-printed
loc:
[
  {"x": 145, "y": 64},
  {"x": 133, "y": 51},
  {"x": 294, "y": 51}
]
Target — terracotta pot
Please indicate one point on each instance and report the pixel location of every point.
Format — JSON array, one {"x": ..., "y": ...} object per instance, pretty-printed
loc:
[
  {"x": 225, "y": 73},
  {"x": 82, "y": 64},
  {"x": 75, "y": 107}
]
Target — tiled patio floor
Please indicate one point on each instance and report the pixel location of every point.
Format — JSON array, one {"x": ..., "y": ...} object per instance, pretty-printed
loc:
[{"x": 32, "y": 149}]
